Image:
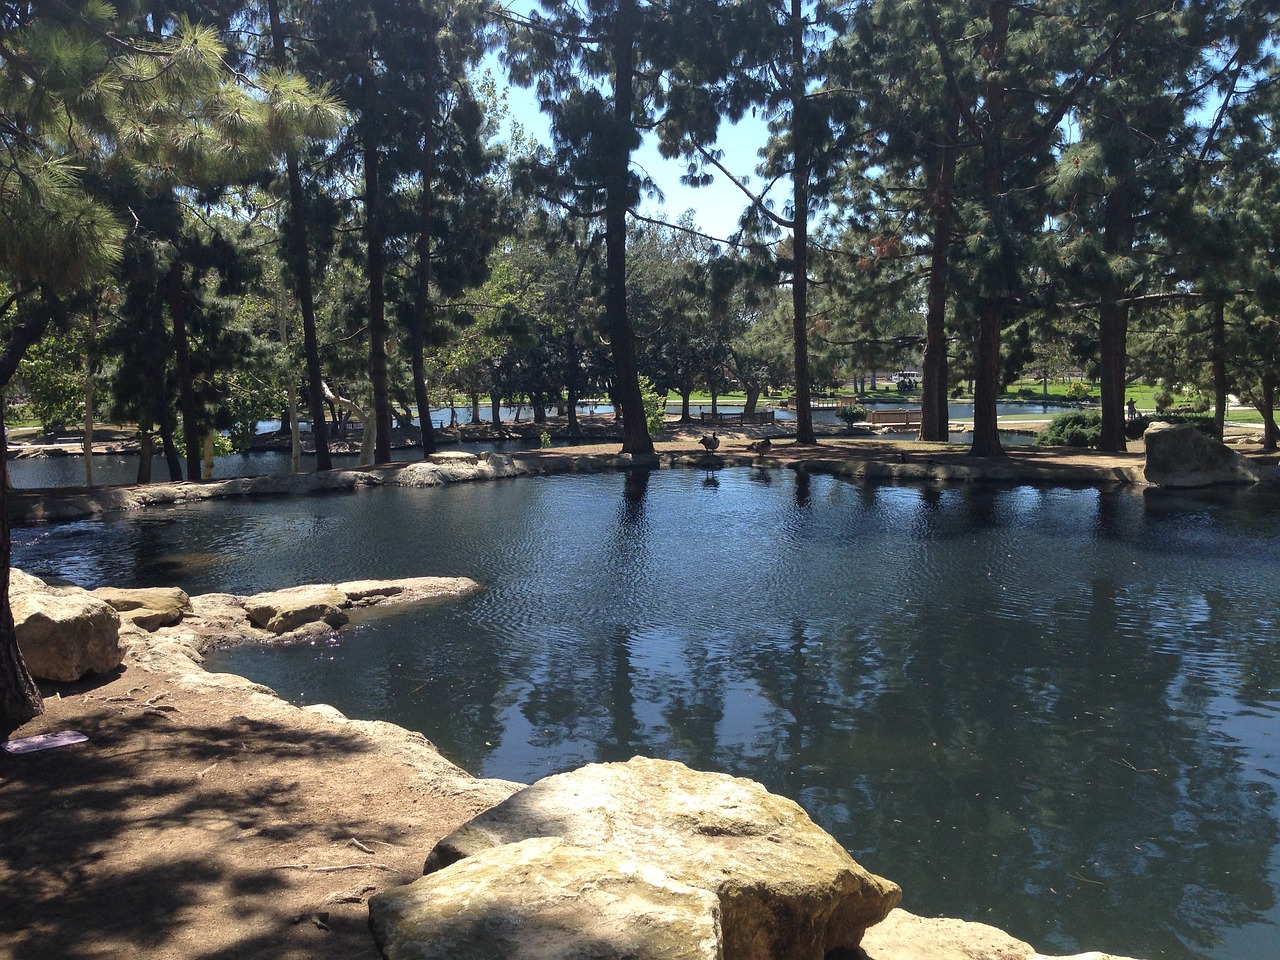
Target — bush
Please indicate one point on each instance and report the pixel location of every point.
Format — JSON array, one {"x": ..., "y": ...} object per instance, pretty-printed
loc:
[
  {"x": 851, "y": 413},
  {"x": 655, "y": 405},
  {"x": 1077, "y": 390},
  {"x": 1136, "y": 427},
  {"x": 1080, "y": 428}
]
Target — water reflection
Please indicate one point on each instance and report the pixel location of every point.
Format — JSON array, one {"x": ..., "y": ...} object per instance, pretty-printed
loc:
[{"x": 1053, "y": 710}]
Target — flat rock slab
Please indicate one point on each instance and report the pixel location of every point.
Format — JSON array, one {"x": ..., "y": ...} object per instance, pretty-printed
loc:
[
  {"x": 905, "y": 936},
  {"x": 283, "y": 610},
  {"x": 787, "y": 890},
  {"x": 148, "y": 607},
  {"x": 546, "y": 898}
]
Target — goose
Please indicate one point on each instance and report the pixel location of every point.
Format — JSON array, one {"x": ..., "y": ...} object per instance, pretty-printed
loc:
[
  {"x": 711, "y": 443},
  {"x": 761, "y": 446}
]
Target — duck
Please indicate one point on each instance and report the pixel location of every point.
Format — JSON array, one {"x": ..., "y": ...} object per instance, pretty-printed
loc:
[{"x": 711, "y": 443}]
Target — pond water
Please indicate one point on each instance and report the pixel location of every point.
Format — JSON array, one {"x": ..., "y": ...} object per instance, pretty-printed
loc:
[{"x": 1050, "y": 710}]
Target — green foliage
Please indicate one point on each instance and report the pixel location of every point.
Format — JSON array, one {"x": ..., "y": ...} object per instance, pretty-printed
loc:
[
  {"x": 1080, "y": 428},
  {"x": 53, "y": 372},
  {"x": 1077, "y": 390},
  {"x": 544, "y": 440},
  {"x": 655, "y": 405},
  {"x": 851, "y": 413},
  {"x": 1203, "y": 422}
]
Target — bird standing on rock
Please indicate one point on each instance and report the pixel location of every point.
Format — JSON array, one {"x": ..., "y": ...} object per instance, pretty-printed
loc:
[{"x": 711, "y": 443}]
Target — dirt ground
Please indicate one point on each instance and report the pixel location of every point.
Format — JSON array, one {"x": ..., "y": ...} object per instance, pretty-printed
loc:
[
  {"x": 207, "y": 822},
  {"x": 210, "y": 821}
]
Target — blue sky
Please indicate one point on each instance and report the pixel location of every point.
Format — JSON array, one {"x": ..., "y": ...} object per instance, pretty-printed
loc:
[{"x": 716, "y": 207}]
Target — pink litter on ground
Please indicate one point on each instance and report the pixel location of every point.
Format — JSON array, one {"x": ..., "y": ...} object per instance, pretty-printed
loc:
[{"x": 43, "y": 741}]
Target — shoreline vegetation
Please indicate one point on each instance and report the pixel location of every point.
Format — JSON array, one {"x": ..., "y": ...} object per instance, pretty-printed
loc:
[{"x": 852, "y": 453}]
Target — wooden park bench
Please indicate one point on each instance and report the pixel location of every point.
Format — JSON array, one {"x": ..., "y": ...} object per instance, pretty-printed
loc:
[
  {"x": 760, "y": 416},
  {"x": 906, "y": 419}
]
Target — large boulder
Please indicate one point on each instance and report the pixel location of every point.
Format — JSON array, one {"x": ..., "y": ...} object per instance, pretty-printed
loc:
[
  {"x": 283, "y": 610},
  {"x": 787, "y": 889},
  {"x": 64, "y": 636},
  {"x": 546, "y": 898},
  {"x": 148, "y": 607},
  {"x": 1179, "y": 455}
]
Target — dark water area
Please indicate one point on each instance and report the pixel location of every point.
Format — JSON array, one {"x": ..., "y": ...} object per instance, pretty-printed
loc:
[{"x": 1050, "y": 710}]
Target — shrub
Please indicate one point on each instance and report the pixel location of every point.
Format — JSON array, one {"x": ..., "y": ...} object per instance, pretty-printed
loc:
[
  {"x": 1080, "y": 428},
  {"x": 655, "y": 405},
  {"x": 1077, "y": 390},
  {"x": 1203, "y": 422},
  {"x": 851, "y": 413}
]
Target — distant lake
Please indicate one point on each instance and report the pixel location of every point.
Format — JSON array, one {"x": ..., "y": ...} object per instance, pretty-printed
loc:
[{"x": 1052, "y": 710}]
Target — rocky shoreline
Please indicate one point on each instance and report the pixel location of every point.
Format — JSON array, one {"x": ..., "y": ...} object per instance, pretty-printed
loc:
[{"x": 277, "y": 823}]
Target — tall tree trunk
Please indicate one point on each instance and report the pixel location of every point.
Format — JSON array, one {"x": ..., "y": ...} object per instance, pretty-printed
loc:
[
  {"x": 1267, "y": 407},
  {"x": 800, "y": 230},
  {"x": 19, "y": 699},
  {"x": 167, "y": 443},
  {"x": 377, "y": 292},
  {"x": 635, "y": 431},
  {"x": 1218, "y": 363},
  {"x": 300, "y": 267},
  {"x": 935, "y": 414},
  {"x": 423, "y": 307},
  {"x": 986, "y": 383},
  {"x": 146, "y": 453},
  {"x": 992, "y": 306},
  {"x": 177, "y": 294},
  {"x": 1113, "y": 317},
  {"x": 89, "y": 349},
  {"x": 495, "y": 409}
]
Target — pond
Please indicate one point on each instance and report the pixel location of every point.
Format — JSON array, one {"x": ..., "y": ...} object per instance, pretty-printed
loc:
[{"x": 1050, "y": 710}]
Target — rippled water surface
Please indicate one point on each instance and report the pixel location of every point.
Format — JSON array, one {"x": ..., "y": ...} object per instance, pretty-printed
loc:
[{"x": 1055, "y": 711}]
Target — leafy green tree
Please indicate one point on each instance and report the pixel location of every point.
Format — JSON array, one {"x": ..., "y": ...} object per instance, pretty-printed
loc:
[
  {"x": 603, "y": 70},
  {"x": 775, "y": 57}
]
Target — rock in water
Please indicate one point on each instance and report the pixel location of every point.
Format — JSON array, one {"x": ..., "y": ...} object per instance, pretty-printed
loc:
[
  {"x": 283, "y": 610},
  {"x": 1179, "y": 455},
  {"x": 786, "y": 889}
]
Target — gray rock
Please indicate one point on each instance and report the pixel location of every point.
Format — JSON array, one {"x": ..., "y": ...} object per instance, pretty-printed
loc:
[
  {"x": 283, "y": 610},
  {"x": 148, "y": 607},
  {"x": 1179, "y": 455},
  {"x": 546, "y": 898},
  {"x": 63, "y": 637},
  {"x": 406, "y": 590},
  {"x": 787, "y": 889}
]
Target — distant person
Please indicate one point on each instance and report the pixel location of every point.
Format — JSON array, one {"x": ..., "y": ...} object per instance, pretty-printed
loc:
[{"x": 1132, "y": 409}]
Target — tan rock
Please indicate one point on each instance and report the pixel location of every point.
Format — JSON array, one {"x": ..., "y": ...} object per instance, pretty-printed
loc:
[
  {"x": 546, "y": 898},
  {"x": 364, "y": 593},
  {"x": 63, "y": 637},
  {"x": 148, "y": 607},
  {"x": 283, "y": 610},
  {"x": 786, "y": 888},
  {"x": 1179, "y": 455},
  {"x": 905, "y": 936}
]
